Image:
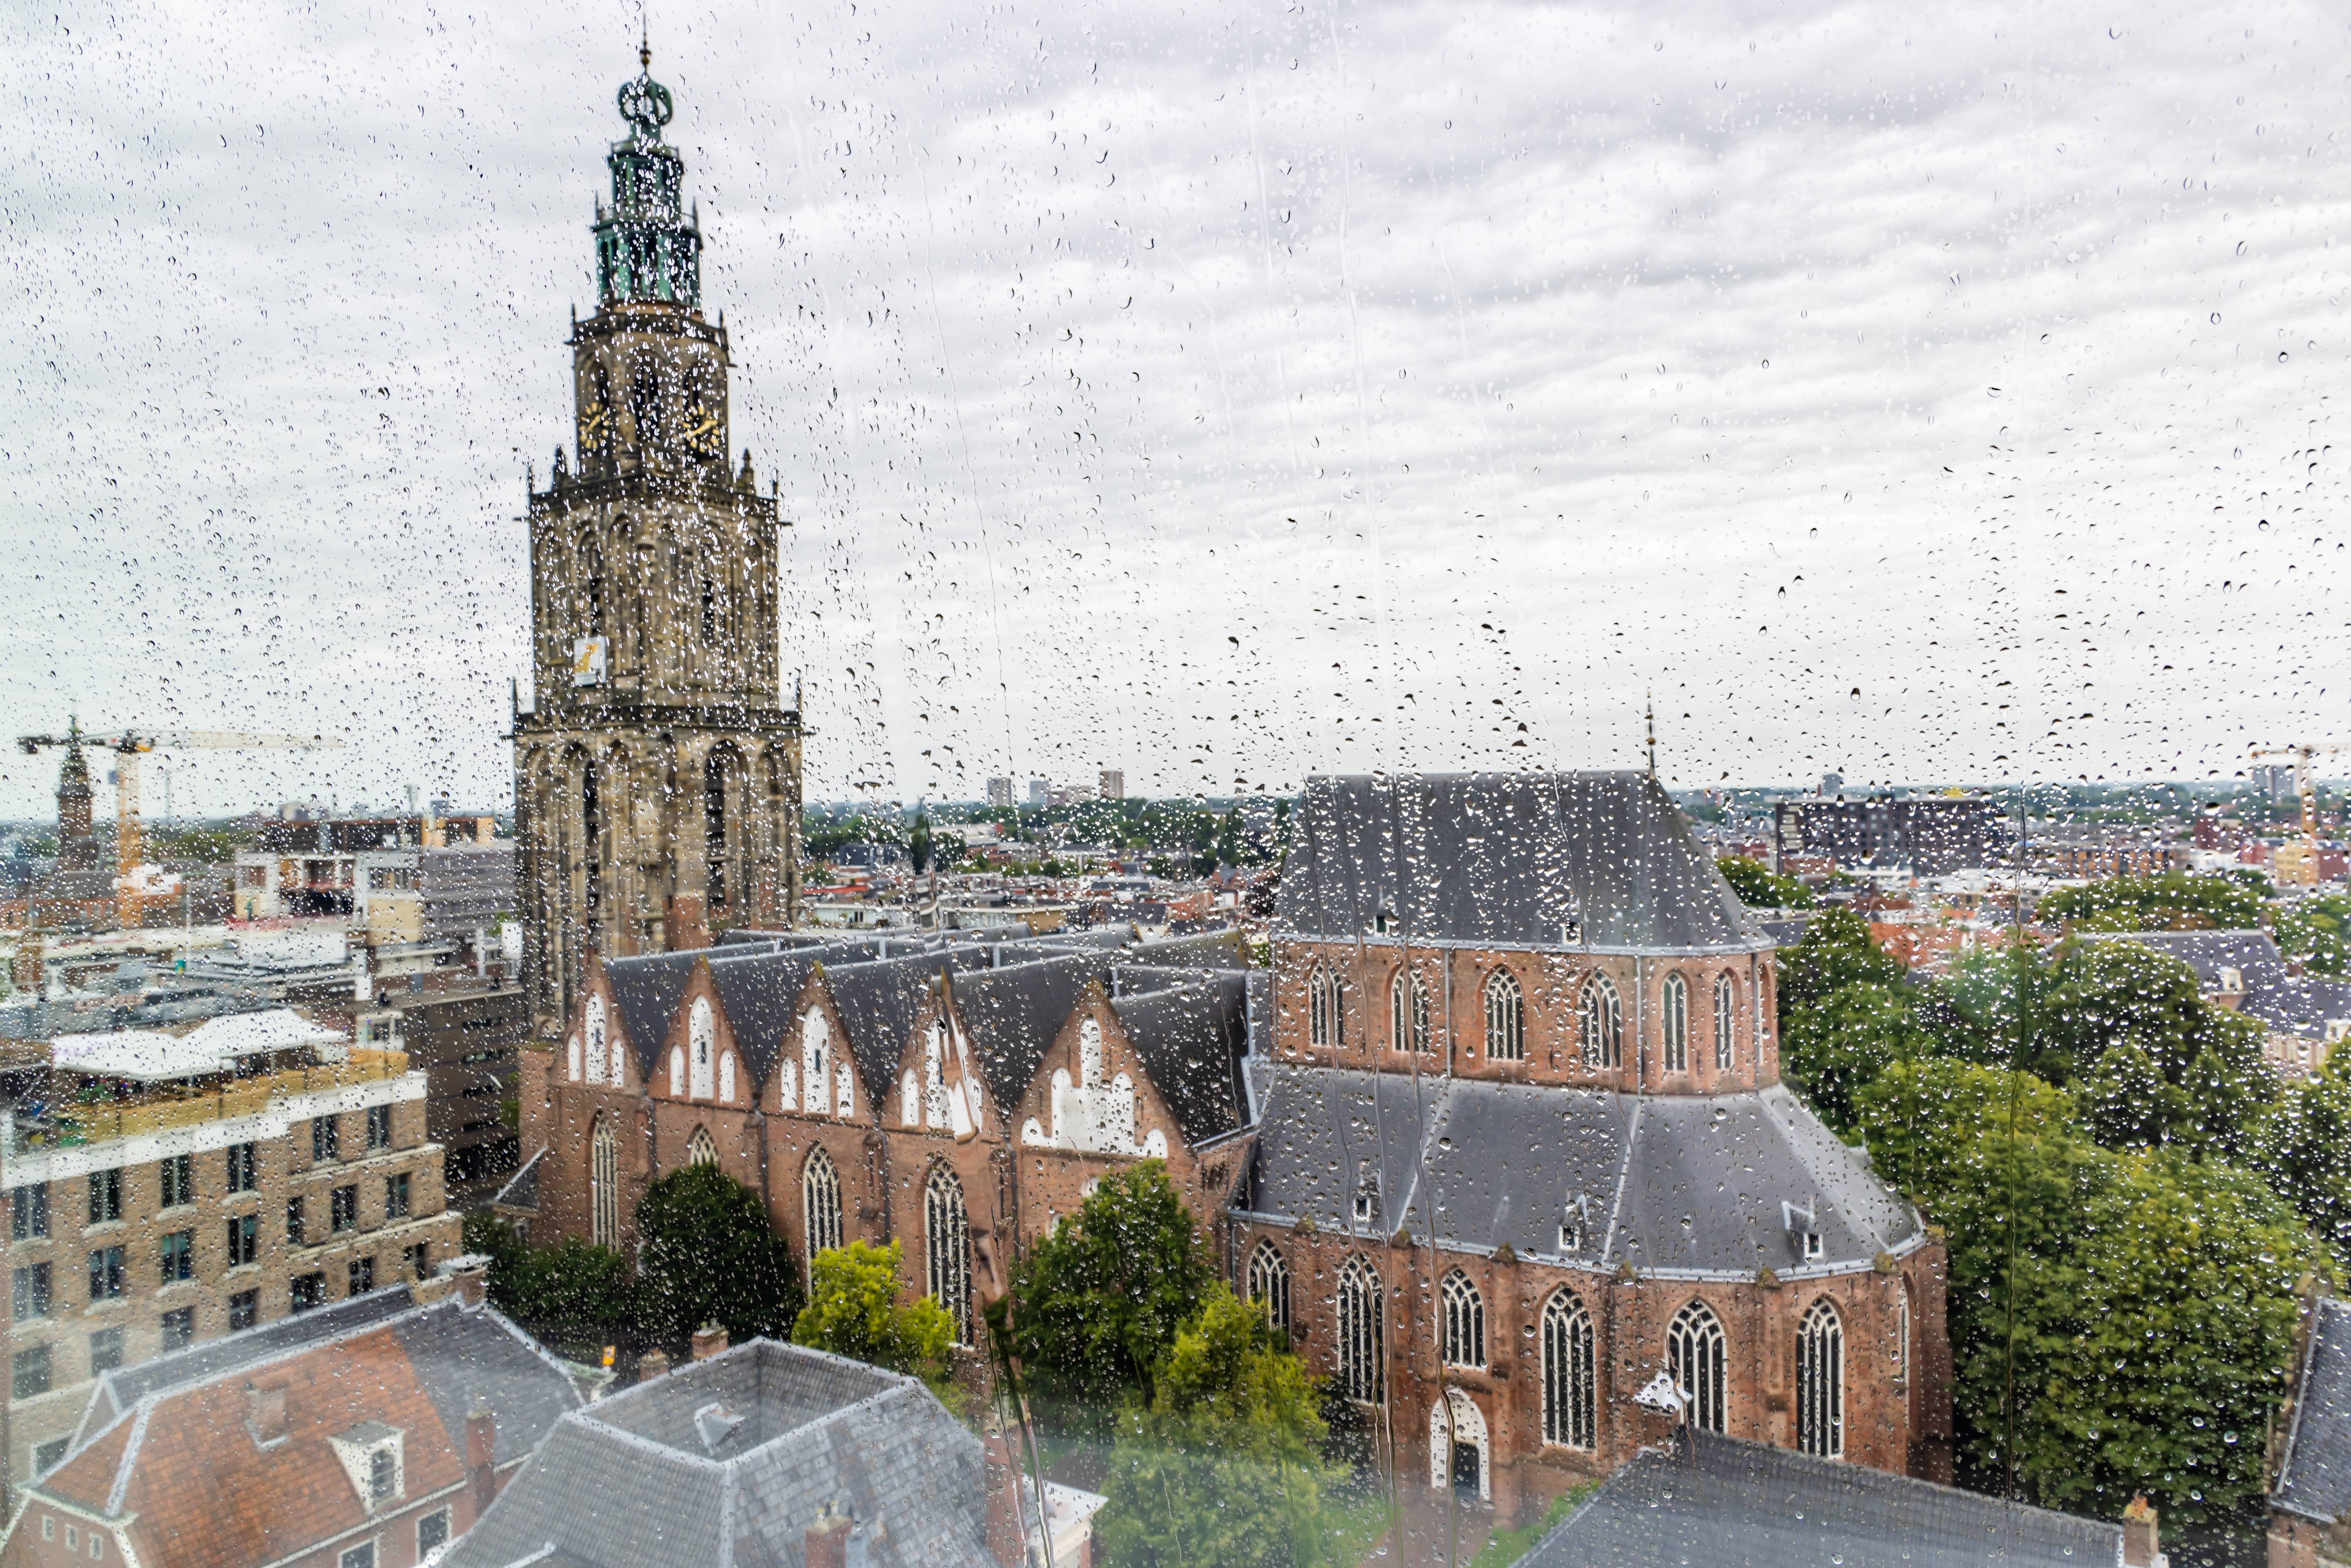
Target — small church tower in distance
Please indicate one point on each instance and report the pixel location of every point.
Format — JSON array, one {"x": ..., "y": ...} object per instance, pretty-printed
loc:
[{"x": 657, "y": 775}]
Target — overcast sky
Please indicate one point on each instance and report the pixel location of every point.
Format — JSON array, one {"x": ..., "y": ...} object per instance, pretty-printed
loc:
[{"x": 1223, "y": 392}]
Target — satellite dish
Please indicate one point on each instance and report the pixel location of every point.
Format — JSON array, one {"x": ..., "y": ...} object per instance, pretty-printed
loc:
[{"x": 1661, "y": 1395}]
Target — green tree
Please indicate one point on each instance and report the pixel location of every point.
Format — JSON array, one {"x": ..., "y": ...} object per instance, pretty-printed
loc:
[
  {"x": 2156, "y": 1062},
  {"x": 708, "y": 1254},
  {"x": 1830, "y": 1049},
  {"x": 1836, "y": 951},
  {"x": 2302, "y": 1148},
  {"x": 577, "y": 1296},
  {"x": 853, "y": 1310},
  {"x": 2174, "y": 900},
  {"x": 1223, "y": 1465},
  {"x": 1760, "y": 887},
  {"x": 919, "y": 842},
  {"x": 1096, "y": 1303},
  {"x": 2318, "y": 931}
]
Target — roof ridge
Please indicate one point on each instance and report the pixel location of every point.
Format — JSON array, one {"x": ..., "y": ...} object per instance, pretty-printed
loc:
[{"x": 129, "y": 1459}]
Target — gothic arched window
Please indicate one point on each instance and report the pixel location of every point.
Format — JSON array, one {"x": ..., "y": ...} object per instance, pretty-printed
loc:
[
  {"x": 1568, "y": 1372},
  {"x": 715, "y": 780},
  {"x": 1696, "y": 1353},
  {"x": 1726, "y": 1006},
  {"x": 700, "y": 1150},
  {"x": 1676, "y": 1024},
  {"x": 1603, "y": 1023},
  {"x": 821, "y": 1202},
  {"x": 702, "y": 1039},
  {"x": 1506, "y": 1018},
  {"x": 595, "y": 1033},
  {"x": 1361, "y": 1372},
  {"x": 727, "y": 1076},
  {"x": 1464, "y": 1321},
  {"x": 1323, "y": 1027},
  {"x": 591, "y": 839},
  {"x": 1820, "y": 1382},
  {"x": 1269, "y": 1283},
  {"x": 816, "y": 1061},
  {"x": 946, "y": 1235},
  {"x": 1408, "y": 1011},
  {"x": 603, "y": 1184}
]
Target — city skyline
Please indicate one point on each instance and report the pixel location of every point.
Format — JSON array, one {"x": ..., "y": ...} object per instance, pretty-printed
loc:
[{"x": 1222, "y": 405}]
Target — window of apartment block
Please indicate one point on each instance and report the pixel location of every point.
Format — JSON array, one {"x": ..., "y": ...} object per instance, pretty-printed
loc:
[
  {"x": 431, "y": 1532},
  {"x": 243, "y": 1167},
  {"x": 416, "y": 1260},
  {"x": 180, "y": 1329},
  {"x": 362, "y": 1276},
  {"x": 343, "y": 1209},
  {"x": 175, "y": 1179},
  {"x": 326, "y": 1139},
  {"x": 179, "y": 1256},
  {"x": 105, "y": 1350},
  {"x": 28, "y": 1212},
  {"x": 294, "y": 1220},
  {"x": 395, "y": 1197},
  {"x": 243, "y": 1239},
  {"x": 29, "y": 1373},
  {"x": 28, "y": 1292},
  {"x": 105, "y": 1273},
  {"x": 244, "y": 1309},
  {"x": 379, "y": 1127},
  {"x": 307, "y": 1290},
  {"x": 105, "y": 1196}
]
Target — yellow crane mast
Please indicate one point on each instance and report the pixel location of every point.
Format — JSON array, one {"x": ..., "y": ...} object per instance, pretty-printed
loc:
[{"x": 2304, "y": 867}]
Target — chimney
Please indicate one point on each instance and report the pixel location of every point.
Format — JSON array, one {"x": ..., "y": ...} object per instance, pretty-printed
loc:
[
  {"x": 1006, "y": 1541},
  {"x": 2139, "y": 1544},
  {"x": 481, "y": 1454},
  {"x": 469, "y": 1275},
  {"x": 652, "y": 1365},
  {"x": 826, "y": 1541},
  {"x": 708, "y": 1341},
  {"x": 265, "y": 1412}
]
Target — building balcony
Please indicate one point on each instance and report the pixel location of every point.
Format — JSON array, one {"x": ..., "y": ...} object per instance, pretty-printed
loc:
[{"x": 106, "y": 1119}]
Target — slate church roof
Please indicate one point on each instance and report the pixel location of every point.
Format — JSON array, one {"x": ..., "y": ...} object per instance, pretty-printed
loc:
[
  {"x": 731, "y": 1460},
  {"x": 1674, "y": 1185},
  {"x": 2314, "y": 1476},
  {"x": 1733, "y": 1504},
  {"x": 1505, "y": 858}
]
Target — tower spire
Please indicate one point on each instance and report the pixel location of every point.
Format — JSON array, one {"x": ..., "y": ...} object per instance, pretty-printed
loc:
[{"x": 648, "y": 250}]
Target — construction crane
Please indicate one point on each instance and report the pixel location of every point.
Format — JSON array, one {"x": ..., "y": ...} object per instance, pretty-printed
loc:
[
  {"x": 131, "y": 745},
  {"x": 2306, "y": 787}
]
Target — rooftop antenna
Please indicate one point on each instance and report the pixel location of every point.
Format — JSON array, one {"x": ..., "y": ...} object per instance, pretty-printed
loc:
[{"x": 1653, "y": 732}]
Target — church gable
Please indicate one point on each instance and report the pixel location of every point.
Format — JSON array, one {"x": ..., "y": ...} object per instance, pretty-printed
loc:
[
  {"x": 596, "y": 1045},
  {"x": 1091, "y": 1093},
  {"x": 702, "y": 1055},
  {"x": 815, "y": 1071}
]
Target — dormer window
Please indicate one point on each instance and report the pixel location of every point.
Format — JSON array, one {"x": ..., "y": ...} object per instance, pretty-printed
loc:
[
  {"x": 1810, "y": 1242},
  {"x": 384, "y": 1476},
  {"x": 373, "y": 1459},
  {"x": 1367, "y": 1199},
  {"x": 1803, "y": 1228},
  {"x": 2232, "y": 980},
  {"x": 1571, "y": 1235}
]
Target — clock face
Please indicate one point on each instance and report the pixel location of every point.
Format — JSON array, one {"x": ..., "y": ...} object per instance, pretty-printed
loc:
[
  {"x": 595, "y": 426},
  {"x": 703, "y": 437}
]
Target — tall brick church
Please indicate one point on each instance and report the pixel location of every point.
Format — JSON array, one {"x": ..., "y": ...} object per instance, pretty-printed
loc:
[{"x": 657, "y": 775}]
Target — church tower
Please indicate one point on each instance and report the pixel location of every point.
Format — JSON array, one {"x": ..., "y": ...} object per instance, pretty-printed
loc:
[{"x": 657, "y": 776}]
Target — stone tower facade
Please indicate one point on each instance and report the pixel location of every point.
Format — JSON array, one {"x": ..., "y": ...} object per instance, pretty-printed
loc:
[{"x": 657, "y": 776}]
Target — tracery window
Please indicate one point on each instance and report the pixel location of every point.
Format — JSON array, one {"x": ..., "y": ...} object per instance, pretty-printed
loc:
[
  {"x": 702, "y": 1035},
  {"x": 1325, "y": 1028},
  {"x": 1820, "y": 1382},
  {"x": 1676, "y": 1024},
  {"x": 1464, "y": 1321},
  {"x": 1725, "y": 1003},
  {"x": 1602, "y": 1023},
  {"x": 1361, "y": 1372},
  {"x": 821, "y": 1203},
  {"x": 1696, "y": 1353},
  {"x": 1408, "y": 1011},
  {"x": 947, "y": 1234},
  {"x": 1269, "y": 1283},
  {"x": 1569, "y": 1373},
  {"x": 816, "y": 1060},
  {"x": 1506, "y": 1018},
  {"x": 700, "y": 1150},
  {"x": 604, "y": 1185}
]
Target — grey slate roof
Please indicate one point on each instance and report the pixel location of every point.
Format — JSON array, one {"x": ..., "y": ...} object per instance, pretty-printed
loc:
[
  {"x": 2285, "y": 1003},
  {"x": 645, "y": 989},
  {"x": 758, "y": 990},
  {"x": 631, "y": 1483},
  {"x": 1013, "y": 1013},
  {"x": 1191, "y": 1038},
  {"x": 878, "y": 1001},
  {"x": 1727, "y": 1503},
  {"x": 1675, "y": 1185},
  {"x": 2314, "y": 1476},
  {"x": 1505, "y": 858}
]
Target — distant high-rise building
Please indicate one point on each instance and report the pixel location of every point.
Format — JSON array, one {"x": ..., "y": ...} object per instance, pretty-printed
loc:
[
  {"x": 1113, "y": 784},
  {"x": 1000, "y": 792},
  {"x": 1831, "y": 783},
  {"x": 2274, "y": 784},
  {"x": 1040, "y": 792}
]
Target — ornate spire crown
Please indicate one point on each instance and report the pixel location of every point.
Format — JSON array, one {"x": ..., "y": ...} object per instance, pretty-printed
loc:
[{"x": 648, "y": 249}]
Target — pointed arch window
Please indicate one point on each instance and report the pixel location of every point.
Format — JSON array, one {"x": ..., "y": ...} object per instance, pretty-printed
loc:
[
  {"x": 1362, "y": 1370},
  {"x": 702, "y": 1039},
  {"x": 1506, "y": 1018},
  {"x": 604, "y": 1185},
  {"x": 1269, "y": 1283},
  {"x": 591, "y": 839},
  {"x": 1602, "y": 1016},
  {"x": 1569, "y": 1373},
  {"x": 1464, "y": 1321},
  {"x": 1820, "y": 1382},
  {"x": 595, "y": 1032},
  {"x": 1324, "y": 1030},
  {"x": 1696, "y": 1353},
  {"x": 821, "y": 1203},
  {"x": 1408, "y": 1011},
  {"x": 716, "y": 771},
  {"x": 727, "y": 1076},
  {"x": 946, "y": 1235},
  {"x": 1676, "y": 1007},
  {"x": 1726, "y": 1014},
  {"x": 700, "y": 1150},
  {"x": 816, "y": 1059}
]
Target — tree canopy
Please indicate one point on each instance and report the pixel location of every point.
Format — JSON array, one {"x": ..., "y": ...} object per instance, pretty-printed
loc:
[
  {"x": 2174, "y": 900},
  {"x": 853, "y": 1310},
  {"x": 708, "y": 1254},
  {"x": 2318, "y": 931},
  {"x": 577, "y": 1296},
  {"x": 1760, "y": 887}
]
